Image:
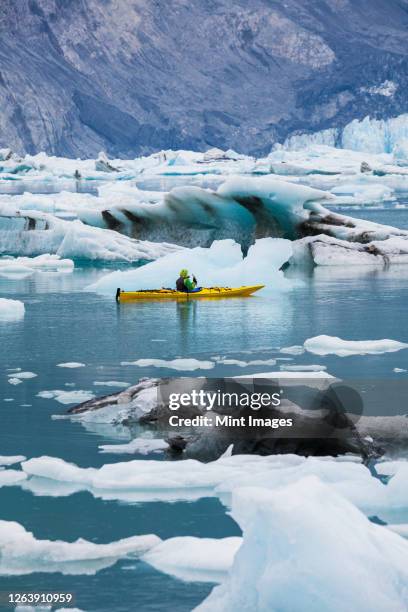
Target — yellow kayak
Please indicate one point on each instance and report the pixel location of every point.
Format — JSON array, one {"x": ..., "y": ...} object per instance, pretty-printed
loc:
[{"x": 204, "y": 292}]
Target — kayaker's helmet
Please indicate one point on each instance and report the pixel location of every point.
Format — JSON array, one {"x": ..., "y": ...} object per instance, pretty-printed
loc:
[{"x": 184, "y": 273}]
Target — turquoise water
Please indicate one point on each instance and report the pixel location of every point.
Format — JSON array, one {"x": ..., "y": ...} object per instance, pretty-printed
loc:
[{"x": 65, "y": 323}]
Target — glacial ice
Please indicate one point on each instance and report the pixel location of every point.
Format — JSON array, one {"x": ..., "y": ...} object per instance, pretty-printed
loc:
[
  {"x": 11, "y": 310},
  {"x": 111, "y": 383},
  {"x": 220, "y": 265},
  {"x": 330, "y": 345},
  {"x": 67, "y": 397},
  {"x": 182, "y": 365},
  {"x": 374, "y": 136},
  {"x": 150, "y": 480},
  {"x": 18, "y": 267},
  {"x": 11, "y": 459},
  {"x": 11, "y": 477},
  {"x": 289, "y": 559},
  {"x": 23, "y": 375},
  {"x": 33, "y": 233},
  {"x": 71, "y": 365},
  {"x": 142, "y": 446},
  {"x": 194, "y": 559},
  {"x": 21, "y": 553}
]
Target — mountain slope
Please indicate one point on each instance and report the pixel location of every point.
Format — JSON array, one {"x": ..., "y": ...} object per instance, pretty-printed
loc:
[{"x": 133, "y": 76}]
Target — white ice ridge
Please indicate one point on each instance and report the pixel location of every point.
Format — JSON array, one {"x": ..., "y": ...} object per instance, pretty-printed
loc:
[
  {"x": 293, "y": 540},
  {"x": 194, "y": 559},
  {"x": 150, "y": 480},
  {"x": 11, "y": 310},
  {"x": 21, "y": 553},
  {"x": 330, "y": 345},
  {"x": 220, "y": 265},
  {"x": 30, "y": 233}
]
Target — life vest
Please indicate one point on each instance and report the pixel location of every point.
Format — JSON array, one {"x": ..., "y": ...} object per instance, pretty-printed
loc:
[{"x": 180, "y": 286}]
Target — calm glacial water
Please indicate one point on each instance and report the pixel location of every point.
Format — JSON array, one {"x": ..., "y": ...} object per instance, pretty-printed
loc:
[{"x": 65, "y": 323}]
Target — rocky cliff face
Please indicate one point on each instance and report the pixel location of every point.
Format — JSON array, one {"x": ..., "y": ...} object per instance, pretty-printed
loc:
[{"x": 133, "y": 76}]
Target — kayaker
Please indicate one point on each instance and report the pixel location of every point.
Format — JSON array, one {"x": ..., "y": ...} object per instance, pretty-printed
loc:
[{"x": 184, "y": 283}]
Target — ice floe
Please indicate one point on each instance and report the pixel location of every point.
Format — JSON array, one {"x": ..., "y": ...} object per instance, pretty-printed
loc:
[
  {"x": 111, "y": 383},
  {"x": 67, "y": 397},
  {"x": 194, "y": 559},
  {"x": 150, "y": 480},
  {"x": 330, "y": 345},
  {"x": 71, "y": 364},
  {"x": 181, "y": 364},
  {"x": 142, "y": 446},
  {"x": 11, "y": 459},
  {"x": 11, "y": 310},
  {"x": 23, "y": 375},
  {"x": 21, "y": 267},
  {"x": 21, "y": 553}
]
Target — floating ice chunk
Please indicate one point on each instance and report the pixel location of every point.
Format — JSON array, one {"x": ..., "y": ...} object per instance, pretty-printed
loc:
[
  {"x": 111, "y": 383},
  {"x": 12, "y": 459},
  {"x": 303, "y": 368},
  {"x": 23, "y": 375},
  {"x": 194, "y": 559},
  {"x": 246, "y": 364},
  {"x": 331, "y": 345},
  {"x": 10, "y": 478},
  {"x": 14, "y": 381},
  {"x": 292, "y": 350},
  {"x": 221, "y": 264},
  {"x": 399, "y": 370},
  {"x": 22, "y": 553},
  {"x": 11, "y": 310},
  {"x": 148, "y": 480},
  {"x": 31, "y": 233},
  {"x": 142, "y": 446},
  {"x": 182, "y": 365},
  {"x": 295, "y": 536},
  {"x": 67, "y": 397},
  {"x": 24, "y": 266},
  {"x": 71, "y": 364}
]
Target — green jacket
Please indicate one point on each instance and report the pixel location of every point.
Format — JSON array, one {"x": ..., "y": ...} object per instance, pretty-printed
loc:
[{"x": 189, "y": 284}]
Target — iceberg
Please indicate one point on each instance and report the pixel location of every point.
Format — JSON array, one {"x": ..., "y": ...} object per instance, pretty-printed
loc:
[
  {"x": 35, "y": 233},
  {"x": 21, "y": 553},
  {"x": 21, "y": 267},
  {"x": 330, "y": 345},
  {"x": 182, "y": 365},
  {"x": 142, "y": 446},
  {"x": 293, "y": 538},
  {"x": 221, "y": 264},
  {"x": 67, "y": 397}
]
